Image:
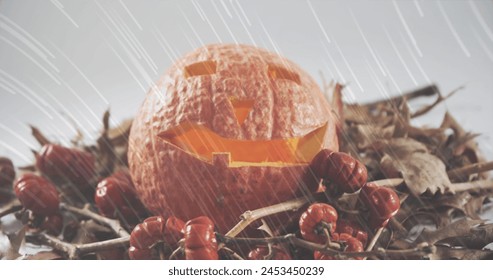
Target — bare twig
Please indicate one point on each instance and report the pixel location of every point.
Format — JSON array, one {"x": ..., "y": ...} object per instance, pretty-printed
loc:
[
  {"x": 463, "y": 172},
  {"x": 75, "y": 251},
  {"x": 291, "y": 205},
  {"x": 178, "y": 250},
  {"x": 425, "y": 91},
  {"x": 10, "y": 208},
  {"x": 113, "y": 224},
  {"x": 103, "y": 245},
  {"x": 392, "y": 182},
  {"x": 419, "y": 251},
  {"x": 232, "y": 253},
  {"x": 250, "y": 216},
  {"x": 439, "y": 99},
  {"x": 374, "y": 239},
  {"x": 474, "y": 185}
]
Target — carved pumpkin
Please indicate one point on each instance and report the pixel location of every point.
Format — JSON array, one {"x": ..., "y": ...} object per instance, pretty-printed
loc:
[{"x": 228, "y": 128}]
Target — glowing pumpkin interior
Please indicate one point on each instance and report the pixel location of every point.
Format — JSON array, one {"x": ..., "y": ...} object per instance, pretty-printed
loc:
[{"x": 203, "y": 143}]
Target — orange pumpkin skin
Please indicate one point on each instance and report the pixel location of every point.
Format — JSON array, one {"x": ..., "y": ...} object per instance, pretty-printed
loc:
[{"x": 171, "y": 180}]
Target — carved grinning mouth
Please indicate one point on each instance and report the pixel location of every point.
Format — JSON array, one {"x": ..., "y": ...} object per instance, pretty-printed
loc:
[{"x": 203, "y": 143}]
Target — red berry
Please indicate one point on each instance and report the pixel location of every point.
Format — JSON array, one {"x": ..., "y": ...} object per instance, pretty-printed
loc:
[
  {"x": 116, "y": 197},
  {"x": 147, "y": 233},
  {"x": 382, "y": 203},
  {"x": 174, "y": 229},
  {"x": 319, "y": 163},
  {"x": 353, "y": 229},
  {"x": 7, "y": 172},
  {"x": 262, "y": 253},
  {"x": 311, "y": 222},
  {"x": 200, "y": 239},
  {"x": 140, "y": 254},
  {"x": 123, "y": 175},
  {"x": 153, "y": 230},
  {"x": 53, "y": 224},
  {"x": 37, "y": 194},
  {"x": 340, "y": 168},
  {"x": 352, "y": 245},
  {"x": 73, "y": 165}
]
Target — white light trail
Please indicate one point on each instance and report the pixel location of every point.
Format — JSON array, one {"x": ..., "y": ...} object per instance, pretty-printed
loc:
[
  {"x": 318, "y": 21},
  {"x": 452, "y": 29},
  {"x": 62, "y": 10},
  {"x": 406, "y": 27}
]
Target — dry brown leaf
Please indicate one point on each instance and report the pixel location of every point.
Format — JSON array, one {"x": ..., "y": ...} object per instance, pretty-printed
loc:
[
  {"x": 475, "y": 238},
  {"x": 458, "y": 228},
  {"x": 119, "y": 135},
  {"x": 39, "y": 136},
  {"x": 462, "y": 142},
  {"x": 448, "y": 253},
  {"x": 363, "y": 136},
  {"x": 421, "y": 171}
]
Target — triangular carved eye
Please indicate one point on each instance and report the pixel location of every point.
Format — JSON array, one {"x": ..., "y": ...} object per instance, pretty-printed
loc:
[
  {"x": 207, "y": 67},
  {"x": 278, "y": 72}
]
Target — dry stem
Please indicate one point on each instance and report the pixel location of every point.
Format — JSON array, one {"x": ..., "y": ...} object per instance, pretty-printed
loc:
[
  {"x": 10, "y": 208},
  {"x": 113, "y": 224},
  {"x": 291, "y": 205},
  {"x": 474, "y": 185},
  {"x": 463, "y": 172},
  {"x": 75, "y": 251},
  {"x": 419, "y": 251},
  {"x": 250, "y": 216}
]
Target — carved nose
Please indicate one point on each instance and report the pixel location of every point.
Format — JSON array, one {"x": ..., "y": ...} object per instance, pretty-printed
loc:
[{"x": 242, "y": 108}]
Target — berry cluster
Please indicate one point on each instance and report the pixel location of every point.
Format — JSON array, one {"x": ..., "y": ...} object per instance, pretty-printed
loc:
[
  {"x": 321, "y": 224},
  {"x": 115, "y": 197}
]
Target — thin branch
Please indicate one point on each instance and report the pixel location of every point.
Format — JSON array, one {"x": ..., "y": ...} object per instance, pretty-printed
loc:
[
  {"x": 374, "y": 239},
  {"x": 439, "y": 100},
  {"x": 291, "y": 205},
  {"x": 473, "y": 186},
  {"x": 463, "y": 172},
  {"x": 232, "y": 253},
  {"x": 179, "y": 250},
  {"x": 103, "y": 245},
  {"x": 250, "y": 216},
  {"x": 420, "y": 251},
  {"x": 75, "y": 251},
  {"x": 113, "y": 224},
  {"x": 10, "y": 208},
  {"x": 425, "y": 91},
  {"x": 68, "y": 249}
]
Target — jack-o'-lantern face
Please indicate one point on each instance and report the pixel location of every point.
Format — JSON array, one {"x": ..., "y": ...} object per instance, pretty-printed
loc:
[{"x": 227, "y": 119}]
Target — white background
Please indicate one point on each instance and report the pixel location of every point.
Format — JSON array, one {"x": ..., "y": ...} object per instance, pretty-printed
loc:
[{"x": 65, "y": 62}]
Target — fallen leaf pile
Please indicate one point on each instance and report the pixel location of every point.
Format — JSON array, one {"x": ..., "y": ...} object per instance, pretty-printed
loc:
[
  {"x": 438, "y": 173},
  {"x": 445, "y": 181}
]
